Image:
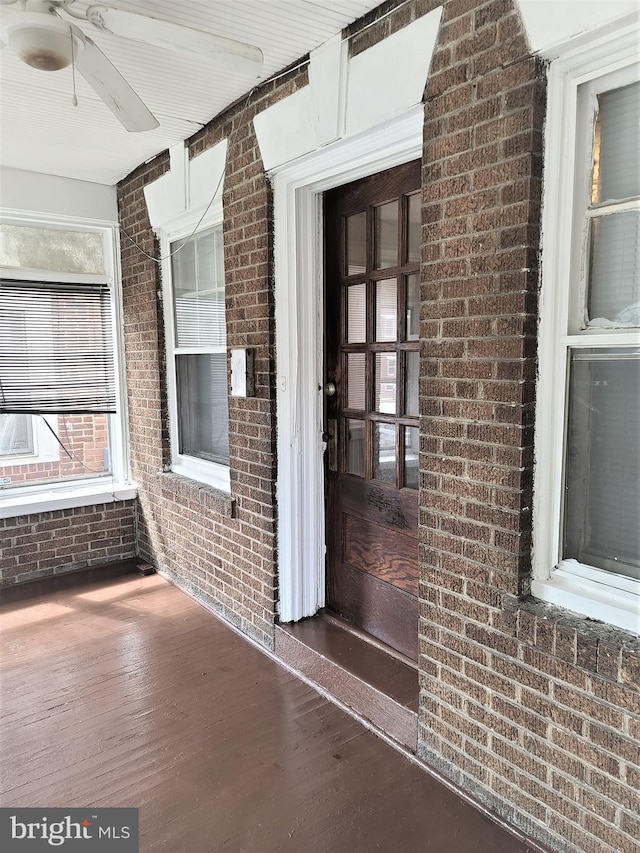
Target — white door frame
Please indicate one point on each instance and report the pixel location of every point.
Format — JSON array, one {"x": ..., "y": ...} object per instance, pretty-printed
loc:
[{"x": 299, "y": 318}]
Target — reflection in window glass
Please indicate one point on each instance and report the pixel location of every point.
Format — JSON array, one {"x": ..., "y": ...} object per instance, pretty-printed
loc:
[
  {"x": 614, "y": 264},
  {"x": 616, "y": 161},
  {"x": 356, "y": 362},
  {"x": 384, "y": 452},
  {"x": 602, "y": 476},
  {"x": 385, "y": 382},
  {"x": 16, "y": 436},
  {"x": 411, "y": 456},
  {"x": 413, "y": 307},
  {"x": 411, "y": 383},
  {"x": 355, "y": 446},
  {"x": 203, "y": 411},
  {"x": 386, "y": 309},
  {"x": 357, "y": 314},
  {"x": 356, "y": 239},
  {"x": 414, "y": 223},
  {"x": 386, "y": 235}
]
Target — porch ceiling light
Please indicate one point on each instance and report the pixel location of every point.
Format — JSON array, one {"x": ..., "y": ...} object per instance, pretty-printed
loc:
[{"x": 42, "y": 42}]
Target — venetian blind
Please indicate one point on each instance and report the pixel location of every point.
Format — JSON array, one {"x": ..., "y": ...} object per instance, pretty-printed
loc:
[{"x": 56, "y": 348}]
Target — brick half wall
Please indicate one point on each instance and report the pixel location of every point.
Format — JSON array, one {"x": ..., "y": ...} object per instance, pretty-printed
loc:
[{"x": 53, "y": 543}]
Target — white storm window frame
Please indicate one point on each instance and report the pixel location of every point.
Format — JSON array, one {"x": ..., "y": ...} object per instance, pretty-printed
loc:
[
  {"x": 190, "y": 224},
  {"x": 116, "y": 486},
  {"x": 603, "y": 65}
]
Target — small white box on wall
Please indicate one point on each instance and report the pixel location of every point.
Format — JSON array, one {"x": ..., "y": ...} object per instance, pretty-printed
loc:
[{"x": 242, "y": 372}]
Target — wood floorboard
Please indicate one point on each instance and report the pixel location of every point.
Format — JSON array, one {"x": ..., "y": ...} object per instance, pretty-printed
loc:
[{"x": 128, "y": 693}]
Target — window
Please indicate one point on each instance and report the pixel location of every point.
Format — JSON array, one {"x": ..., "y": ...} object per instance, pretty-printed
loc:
[
  {"x": 587, "y": 504},
  {"x": 197, "y": 357},
  {"x": 61, "y": 431},
  {"x": 16, "y": 435}
]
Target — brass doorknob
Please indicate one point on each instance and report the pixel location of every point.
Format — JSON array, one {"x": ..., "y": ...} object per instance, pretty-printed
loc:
[{"x": 329, "y": 389}]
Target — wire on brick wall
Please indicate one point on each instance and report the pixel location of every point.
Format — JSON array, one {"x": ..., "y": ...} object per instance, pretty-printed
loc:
[{"x": 272, "y": 79}]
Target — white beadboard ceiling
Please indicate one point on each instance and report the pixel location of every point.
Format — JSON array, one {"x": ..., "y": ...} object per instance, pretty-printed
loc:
[{"x": 41, "y": 131}]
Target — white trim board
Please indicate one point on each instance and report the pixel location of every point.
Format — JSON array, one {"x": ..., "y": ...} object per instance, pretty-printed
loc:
[{"x": 298, "y": 191}]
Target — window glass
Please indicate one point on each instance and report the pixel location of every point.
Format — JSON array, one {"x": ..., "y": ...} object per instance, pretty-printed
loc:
[
  {"x": 357, "y": 313},
  {"x": 614, "y": 263},
  {"x": 386, "y": 310},
  {"x": 386, "y": 235},
  {"x": 602, "y": 508},
  {"x": 197, "y": 273},
  {"x": 616, "y": 167},
  {"x": 411, "y": 456},
  {"x": 356, "y": 240},
  {"x": 384, "y": 452},
  {"x": 16, "y": 438},
  {"x": 356, "y": 362},
  {"x": 414, "y": 227},
  {"x": 30, "y": 247},
  {"x": 203, "y": 409},
  {"x": 386, "y": 382},
  {"x": 355, "y": 446}
]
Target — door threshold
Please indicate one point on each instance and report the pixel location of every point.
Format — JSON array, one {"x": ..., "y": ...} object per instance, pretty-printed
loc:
[{"x": 376, "y": 682}]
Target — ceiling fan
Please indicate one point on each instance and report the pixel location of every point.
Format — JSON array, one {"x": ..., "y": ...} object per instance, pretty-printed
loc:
[{"x": 43, "y": 37}]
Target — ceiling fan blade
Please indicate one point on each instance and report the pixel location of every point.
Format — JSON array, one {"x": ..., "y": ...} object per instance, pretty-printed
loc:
[
  {"x": 236, "y": 54},
  {"x": 111, "y": 86}
]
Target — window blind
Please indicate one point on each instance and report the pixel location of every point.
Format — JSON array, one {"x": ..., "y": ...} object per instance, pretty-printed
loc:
[{"x": 56, "y": 348}]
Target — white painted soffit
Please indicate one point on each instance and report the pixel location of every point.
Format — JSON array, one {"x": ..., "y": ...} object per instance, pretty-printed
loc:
[
  {"x": 553, "y": 24},
  {"x": 345, "y": 96}
]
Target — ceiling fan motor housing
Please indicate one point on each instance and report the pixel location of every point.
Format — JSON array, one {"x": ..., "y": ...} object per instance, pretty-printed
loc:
[{"x": 41, "y": 41}]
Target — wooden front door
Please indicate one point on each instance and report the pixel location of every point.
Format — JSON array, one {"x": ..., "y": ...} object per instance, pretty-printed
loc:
[{"x": 372, "y": 311}]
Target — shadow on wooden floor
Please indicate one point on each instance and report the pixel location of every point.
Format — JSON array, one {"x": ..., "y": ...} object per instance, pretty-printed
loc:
[{"x": 128, "y": 693}]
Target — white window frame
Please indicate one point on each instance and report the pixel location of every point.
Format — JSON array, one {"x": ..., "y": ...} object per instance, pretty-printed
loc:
[
  {"x": 189, "y": 223},
  {"x": 593, "y": 592},
  {"x": 66, "y": 494}
]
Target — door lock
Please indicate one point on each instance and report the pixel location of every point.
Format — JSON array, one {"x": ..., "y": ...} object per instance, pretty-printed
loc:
[{"x": 330, "y": 389}]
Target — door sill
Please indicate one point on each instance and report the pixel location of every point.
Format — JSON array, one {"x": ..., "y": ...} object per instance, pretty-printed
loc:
[{"x": 376, "y": 682}]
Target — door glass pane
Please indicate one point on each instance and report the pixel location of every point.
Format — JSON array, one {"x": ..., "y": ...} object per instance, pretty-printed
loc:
[
  {"x": 356, "y": 362},
  {"x": 386, "y": 235},
  {"x": 356, "y": 237},
  {"x": 203, "y": 410},
  {"x": 411, "y": 458},
  {"x": 386, "y": 382},
  {"x": 614, "y": 283},
  {"x": 386, "y": 309},
  {"x": 602, "y": 476},
  {"x": 384, "y": 452},
  {"x": 616, "y": 166},
  {"x": 414, "y": 216},
  {"x": 355, "y": 446},
  {"x": 411, "y": 383},
  {"x": 413, "y": 307},
  {"x": 357, "y": 314}
]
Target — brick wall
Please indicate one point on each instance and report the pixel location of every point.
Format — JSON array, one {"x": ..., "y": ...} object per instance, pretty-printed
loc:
[
  {"x": 51, "y": 543},
  {"x": 221, "y": 549},
  {"x": 533, "y": 711}
]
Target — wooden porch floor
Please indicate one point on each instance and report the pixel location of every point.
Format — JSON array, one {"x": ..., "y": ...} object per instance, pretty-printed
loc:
[{"x": 128, "y": 693}]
